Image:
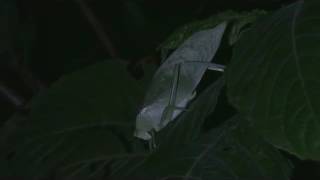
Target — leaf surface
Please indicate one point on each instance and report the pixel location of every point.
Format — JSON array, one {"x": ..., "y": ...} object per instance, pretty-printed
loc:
[
  {"x": 234, "y": 151},
  {"x": 273, "y": 78},
  {"x": 79, "y": 125}
]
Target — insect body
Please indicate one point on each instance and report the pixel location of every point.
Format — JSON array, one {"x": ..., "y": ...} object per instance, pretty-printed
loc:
[{"x": 174, "y": 83}]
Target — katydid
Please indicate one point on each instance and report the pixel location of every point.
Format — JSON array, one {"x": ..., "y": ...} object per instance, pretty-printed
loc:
[{"x": 174, "y": 83}]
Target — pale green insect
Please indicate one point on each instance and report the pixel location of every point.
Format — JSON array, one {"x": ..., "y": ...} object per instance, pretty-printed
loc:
[{"x": 174, "y": 83}]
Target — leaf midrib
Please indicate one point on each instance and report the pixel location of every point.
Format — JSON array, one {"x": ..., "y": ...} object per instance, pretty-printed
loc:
[{"x": 297, "y": 58}]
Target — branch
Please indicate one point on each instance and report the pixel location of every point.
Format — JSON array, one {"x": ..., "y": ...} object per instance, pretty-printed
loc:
[{"x": 98, "y": 28}]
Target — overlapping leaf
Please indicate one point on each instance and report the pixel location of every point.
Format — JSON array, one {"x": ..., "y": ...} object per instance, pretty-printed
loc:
[
  {"x": 238, "y": 21},
  {"x": 273, "y": 78},
  {"x": 78, "y": 126},
  {"x": 232, "y": 151}
]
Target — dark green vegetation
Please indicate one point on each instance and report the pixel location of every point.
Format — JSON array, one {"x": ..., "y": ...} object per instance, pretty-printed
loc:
[{"x": 71, "y": 90}]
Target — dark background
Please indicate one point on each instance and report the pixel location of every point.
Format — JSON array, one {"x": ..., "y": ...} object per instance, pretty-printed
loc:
[
  {"x": 49, "y": 38},
  {"x": 41, "y": 40}
]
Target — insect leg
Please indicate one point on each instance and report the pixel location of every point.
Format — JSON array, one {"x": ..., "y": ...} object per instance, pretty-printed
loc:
[
  {"x": 171, "y": 107},
  {"x": 152, "y": 142}
]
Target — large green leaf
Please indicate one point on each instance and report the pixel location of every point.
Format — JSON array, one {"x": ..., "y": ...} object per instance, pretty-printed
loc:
[
  {"x": 232, "y": 151},
  {"x": 238, "y": 20},
  {"x": 273, "y": 78},
  {"x": 79, "y": 125}
]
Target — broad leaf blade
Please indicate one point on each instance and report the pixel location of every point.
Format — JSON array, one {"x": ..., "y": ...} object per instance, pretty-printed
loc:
[
  {"x": 238, "y": 20},
  {"x": 272, "y": 78},
  {"x": 233, "y": 151},
  {"x": 84, "y": 120}
]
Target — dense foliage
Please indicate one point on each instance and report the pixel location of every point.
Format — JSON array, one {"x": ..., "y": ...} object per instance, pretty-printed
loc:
[{"x": 259, "y": 119}]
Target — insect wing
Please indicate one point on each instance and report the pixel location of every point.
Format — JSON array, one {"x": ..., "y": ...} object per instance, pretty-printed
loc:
[{"x": 200, "y": 47}]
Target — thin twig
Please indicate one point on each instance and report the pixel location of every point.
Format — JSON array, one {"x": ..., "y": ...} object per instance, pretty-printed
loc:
[{"x": 98, "y": 28}]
